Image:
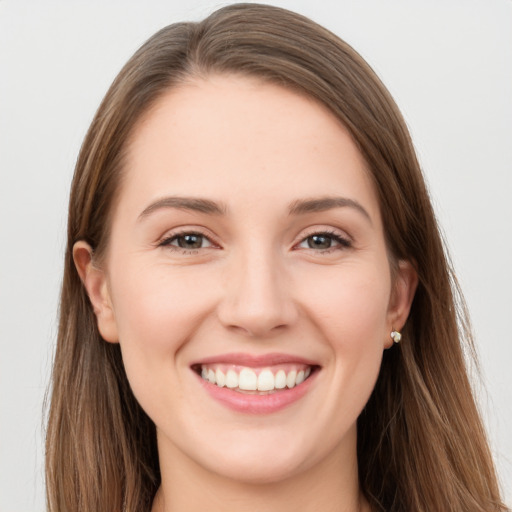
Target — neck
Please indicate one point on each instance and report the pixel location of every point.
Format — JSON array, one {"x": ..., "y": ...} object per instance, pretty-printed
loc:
[{"x": 330, "y": 485}]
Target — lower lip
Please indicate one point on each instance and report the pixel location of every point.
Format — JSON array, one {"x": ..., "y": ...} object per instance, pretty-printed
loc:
[{"x": 258, "y": 404}]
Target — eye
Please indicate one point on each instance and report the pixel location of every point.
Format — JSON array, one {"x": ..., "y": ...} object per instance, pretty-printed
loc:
[
  {"x": 324, "y": 242},
  {"x": 187, "y": 240}
]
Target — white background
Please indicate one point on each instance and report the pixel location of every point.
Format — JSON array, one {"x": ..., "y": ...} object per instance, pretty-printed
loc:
[{"x": 448, "y": 65}]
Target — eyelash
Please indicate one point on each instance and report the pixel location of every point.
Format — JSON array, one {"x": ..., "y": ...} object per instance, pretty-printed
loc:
[
  {"x": 342, "y": 242},
  {"x": 166, "y": 242}
]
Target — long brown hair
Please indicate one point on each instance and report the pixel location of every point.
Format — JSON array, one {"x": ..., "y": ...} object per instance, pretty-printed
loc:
[{"x": 421, "y": 444}]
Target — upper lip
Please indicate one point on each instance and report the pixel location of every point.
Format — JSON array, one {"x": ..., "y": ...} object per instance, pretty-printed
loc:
[{"x": 255, "y": 361}]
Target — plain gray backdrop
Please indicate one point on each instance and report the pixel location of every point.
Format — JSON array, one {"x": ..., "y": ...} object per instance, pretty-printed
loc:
[{"x": 447, "y": 63}]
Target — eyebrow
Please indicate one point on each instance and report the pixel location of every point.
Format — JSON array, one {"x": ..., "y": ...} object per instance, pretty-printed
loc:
[
  {"x": 185, "y": 203},
  {"x": 322, "y": 204},
  {"x": 209, "y": 207}
]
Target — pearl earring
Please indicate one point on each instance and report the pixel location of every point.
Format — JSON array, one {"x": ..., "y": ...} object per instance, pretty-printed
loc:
[{"x": 396, "y": 336}]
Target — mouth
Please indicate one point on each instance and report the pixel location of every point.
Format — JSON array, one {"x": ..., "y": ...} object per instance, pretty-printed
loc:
[
  {"x": 261, "y": 384},
  {"x": 251, "y": 380}
]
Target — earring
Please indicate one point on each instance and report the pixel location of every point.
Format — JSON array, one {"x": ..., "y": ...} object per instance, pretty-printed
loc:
[{"x": 396, "y": 336}]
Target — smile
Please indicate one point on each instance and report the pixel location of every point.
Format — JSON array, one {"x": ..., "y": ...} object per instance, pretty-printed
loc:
[
  {"x": 261, "y": 384},
  {"x": 245, "y": 379}
]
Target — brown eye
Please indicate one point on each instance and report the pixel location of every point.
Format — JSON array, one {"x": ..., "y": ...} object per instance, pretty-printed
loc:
[
  {"x": 319, "y": 242},
  {"x": 190, "y": 241}
]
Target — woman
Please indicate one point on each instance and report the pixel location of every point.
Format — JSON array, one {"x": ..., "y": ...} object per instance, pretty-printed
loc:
[{"x": 256, "y": 302}]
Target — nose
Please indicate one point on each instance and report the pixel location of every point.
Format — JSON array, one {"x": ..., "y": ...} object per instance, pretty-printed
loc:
[{"x": 257, "y": 299}]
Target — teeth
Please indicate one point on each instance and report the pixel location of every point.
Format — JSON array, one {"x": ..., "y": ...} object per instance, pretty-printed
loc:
[
  {"x": 290, "y": 379},
  {"x": 231, "y": 379},
  {"x": 280, "y": 380},
  {"x": 248, "y": 379},
  {"x": 220, "y": 378},
  {"x": 266, "y": 381}
]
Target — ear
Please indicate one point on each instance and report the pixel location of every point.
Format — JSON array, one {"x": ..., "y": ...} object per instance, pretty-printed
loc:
[
  {"x": 402, "y": 295},
  {"x": 96, "y": 285}
]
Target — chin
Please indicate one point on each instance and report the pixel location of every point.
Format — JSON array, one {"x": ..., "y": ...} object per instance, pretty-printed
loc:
[
  {"x": 260, "y": 472},
  {"x": 262, "y": 459}
]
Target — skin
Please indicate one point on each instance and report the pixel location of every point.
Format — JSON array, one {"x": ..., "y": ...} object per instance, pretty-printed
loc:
[{"x": 254, "y": 286}]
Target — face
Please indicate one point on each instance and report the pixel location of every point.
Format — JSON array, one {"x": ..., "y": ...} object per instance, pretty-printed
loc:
[{"x": 247, "y": 279}]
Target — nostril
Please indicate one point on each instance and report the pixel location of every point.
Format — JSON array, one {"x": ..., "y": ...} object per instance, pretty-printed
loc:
[
  {"x": 262, "y": 321},
  {"x": 257, "y": 300}
]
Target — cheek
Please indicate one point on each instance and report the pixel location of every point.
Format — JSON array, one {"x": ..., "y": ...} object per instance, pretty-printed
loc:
[
  {"x": 155, "y": 306},
  {"x": 350, "y": 304},
  {"x": 357, "y": 339},
  {"x": 157, "y": 312},
  {"x": 351, "y": 311}
]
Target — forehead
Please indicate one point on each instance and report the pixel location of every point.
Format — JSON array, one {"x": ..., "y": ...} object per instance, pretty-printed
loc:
[{"x": 233, "y": 136}]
